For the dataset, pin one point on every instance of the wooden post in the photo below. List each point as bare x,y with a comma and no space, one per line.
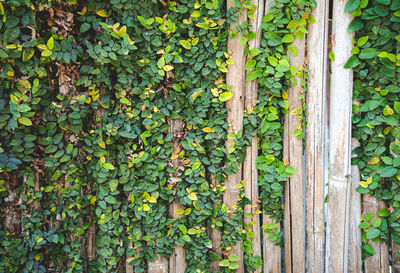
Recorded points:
294,192
379,262
317,41
235,77
355,262
339,177
250,165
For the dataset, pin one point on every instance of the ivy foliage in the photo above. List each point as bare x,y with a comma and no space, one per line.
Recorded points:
89,92
375,61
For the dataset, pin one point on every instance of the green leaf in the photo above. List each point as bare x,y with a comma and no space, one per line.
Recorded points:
186,238
396,107
373,233
84,27
183,229
362,41
288,38
250,64
233,266
352,62
108,166
25,121
224,263
352,5
192,196
234,258
50,43
225,96
185,44
27,54
384,212
388,171
110,199
355,25
3,54
293,50
368,53
332,56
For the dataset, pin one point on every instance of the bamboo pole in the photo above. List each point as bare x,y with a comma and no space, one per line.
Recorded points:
235,77
395,260
177,263
317,40
339,178
355,262
294,193
250,164
271,253
215,238
379,262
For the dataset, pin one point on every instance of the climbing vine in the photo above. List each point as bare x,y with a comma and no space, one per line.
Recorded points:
88,93
375,61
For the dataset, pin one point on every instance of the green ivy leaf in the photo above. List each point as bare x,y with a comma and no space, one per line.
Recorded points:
225,96
352,5
352,62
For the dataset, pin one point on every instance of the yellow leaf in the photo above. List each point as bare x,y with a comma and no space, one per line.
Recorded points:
146,207
168,67
25,121
102,144
179,211
192,196
122,31
208,130
102,13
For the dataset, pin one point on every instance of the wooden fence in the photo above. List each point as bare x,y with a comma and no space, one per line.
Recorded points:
318,236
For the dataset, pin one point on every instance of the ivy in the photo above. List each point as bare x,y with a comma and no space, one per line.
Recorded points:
88,92
375,62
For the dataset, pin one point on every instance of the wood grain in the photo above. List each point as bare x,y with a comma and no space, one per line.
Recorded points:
339,178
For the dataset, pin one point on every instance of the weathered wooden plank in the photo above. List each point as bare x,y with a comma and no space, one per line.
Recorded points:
317,55
249,165
235,77
379,262
355,262
295,188
339,142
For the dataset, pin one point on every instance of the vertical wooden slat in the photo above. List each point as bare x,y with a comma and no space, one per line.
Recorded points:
355,263
395,260
317,41
249,165
235,77
215,238
294,195
177,263
272,259
339,142
379,262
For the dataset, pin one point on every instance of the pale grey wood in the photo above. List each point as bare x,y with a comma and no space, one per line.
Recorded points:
295,193
235,77
317,55
250,175
339,177
355,262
